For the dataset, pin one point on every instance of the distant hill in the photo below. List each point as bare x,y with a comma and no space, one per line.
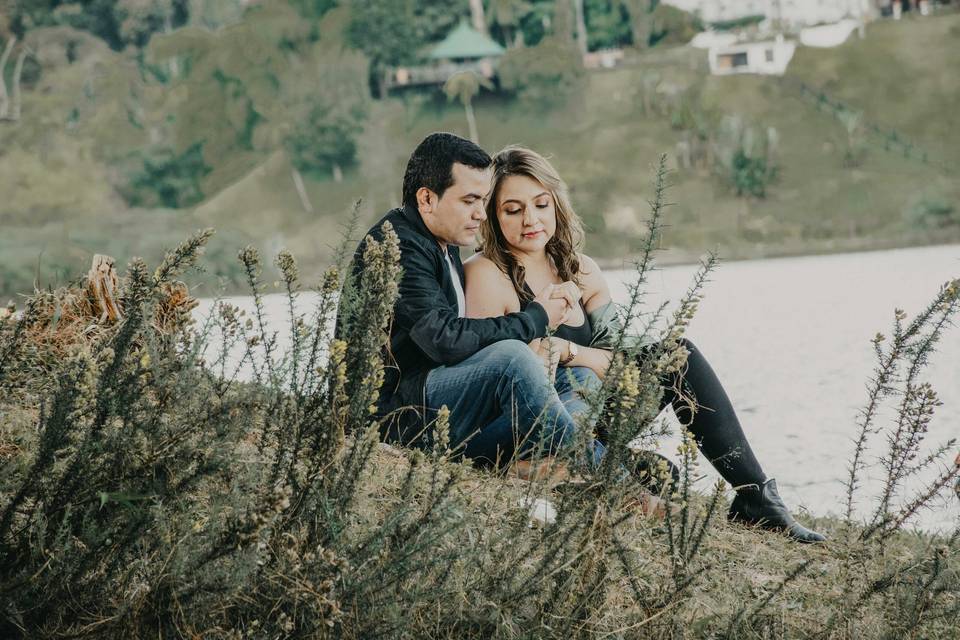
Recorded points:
839,185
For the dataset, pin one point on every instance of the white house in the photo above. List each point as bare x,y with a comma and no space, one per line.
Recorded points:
769,57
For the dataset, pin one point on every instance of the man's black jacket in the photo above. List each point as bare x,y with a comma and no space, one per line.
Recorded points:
426,331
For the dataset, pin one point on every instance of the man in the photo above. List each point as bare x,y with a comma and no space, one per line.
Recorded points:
481,369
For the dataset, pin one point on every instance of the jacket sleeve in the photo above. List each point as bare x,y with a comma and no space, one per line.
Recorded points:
434,326
606,323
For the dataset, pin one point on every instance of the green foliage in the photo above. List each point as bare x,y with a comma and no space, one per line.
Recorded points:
745,156
168,179
383,30
140,19
750,176
314,8
931,210
673,26
323,140
738,23
608,24
117,22
535,24
505,18
546,76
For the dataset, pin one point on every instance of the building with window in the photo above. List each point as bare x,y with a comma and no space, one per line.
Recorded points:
769,57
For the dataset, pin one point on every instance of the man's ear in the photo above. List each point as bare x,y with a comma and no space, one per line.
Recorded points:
426,200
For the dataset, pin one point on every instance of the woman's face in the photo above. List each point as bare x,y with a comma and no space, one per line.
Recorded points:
527,214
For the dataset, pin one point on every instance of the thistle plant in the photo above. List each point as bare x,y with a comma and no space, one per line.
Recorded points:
868,571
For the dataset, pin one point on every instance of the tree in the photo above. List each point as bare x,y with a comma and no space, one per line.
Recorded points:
476,16
10,101
140,19
640,13
464,86
537,23
326,124
168,179
607,22
506,16
673,26
545,76
581,21
324,141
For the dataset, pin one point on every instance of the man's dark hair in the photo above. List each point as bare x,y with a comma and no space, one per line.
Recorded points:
431,164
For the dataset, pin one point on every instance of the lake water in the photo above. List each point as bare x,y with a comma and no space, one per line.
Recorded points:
790,338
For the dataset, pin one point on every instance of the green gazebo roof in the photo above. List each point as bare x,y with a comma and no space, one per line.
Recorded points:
466,42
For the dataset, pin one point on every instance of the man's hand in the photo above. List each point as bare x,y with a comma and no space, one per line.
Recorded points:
557,300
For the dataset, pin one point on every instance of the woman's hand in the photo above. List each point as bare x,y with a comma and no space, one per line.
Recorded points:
557,300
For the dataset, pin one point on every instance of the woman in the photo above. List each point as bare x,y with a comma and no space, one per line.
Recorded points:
530,240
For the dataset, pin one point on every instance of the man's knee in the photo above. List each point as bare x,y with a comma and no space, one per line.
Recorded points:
509,349
517,359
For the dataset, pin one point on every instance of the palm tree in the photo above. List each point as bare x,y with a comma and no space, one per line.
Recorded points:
464,86
581,26
10,108
476,16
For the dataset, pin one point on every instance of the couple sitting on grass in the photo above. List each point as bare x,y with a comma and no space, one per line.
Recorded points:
474,336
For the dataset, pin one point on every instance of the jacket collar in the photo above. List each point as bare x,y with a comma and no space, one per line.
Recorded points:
413,217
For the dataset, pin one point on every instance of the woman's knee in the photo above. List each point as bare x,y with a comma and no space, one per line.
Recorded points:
582,379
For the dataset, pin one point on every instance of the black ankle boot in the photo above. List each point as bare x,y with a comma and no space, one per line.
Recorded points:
762,506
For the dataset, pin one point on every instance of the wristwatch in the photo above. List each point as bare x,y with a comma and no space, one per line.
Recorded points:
572,353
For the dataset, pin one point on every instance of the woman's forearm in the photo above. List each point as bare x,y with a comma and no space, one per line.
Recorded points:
596,359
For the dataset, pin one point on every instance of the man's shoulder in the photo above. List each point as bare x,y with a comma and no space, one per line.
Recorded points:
397,222
414,246
405,231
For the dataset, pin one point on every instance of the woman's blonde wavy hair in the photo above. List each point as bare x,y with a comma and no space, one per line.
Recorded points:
563,248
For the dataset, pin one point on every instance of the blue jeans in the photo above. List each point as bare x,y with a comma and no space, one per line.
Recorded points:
502,404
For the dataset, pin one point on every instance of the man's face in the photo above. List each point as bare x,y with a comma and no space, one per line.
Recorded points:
455,218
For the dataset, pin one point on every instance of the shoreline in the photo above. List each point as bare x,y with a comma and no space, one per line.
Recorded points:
673,257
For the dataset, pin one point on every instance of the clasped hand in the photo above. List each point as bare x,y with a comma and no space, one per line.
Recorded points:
557,300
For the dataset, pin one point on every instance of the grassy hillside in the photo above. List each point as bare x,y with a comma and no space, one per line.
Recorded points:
901,77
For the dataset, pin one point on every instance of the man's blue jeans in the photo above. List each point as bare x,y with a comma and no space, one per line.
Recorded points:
502,404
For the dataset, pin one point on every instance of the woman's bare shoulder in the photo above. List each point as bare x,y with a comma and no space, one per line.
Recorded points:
489,290
591,276
592,280
480,266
